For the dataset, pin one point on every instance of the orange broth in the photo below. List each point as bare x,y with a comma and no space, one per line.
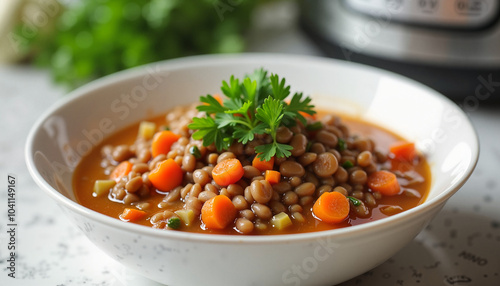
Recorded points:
89,170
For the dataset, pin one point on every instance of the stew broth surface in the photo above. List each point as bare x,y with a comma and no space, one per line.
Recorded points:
89,170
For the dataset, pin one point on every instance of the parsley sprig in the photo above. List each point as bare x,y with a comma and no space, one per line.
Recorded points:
254,105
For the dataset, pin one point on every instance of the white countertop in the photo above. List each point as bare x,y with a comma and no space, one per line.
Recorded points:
461,246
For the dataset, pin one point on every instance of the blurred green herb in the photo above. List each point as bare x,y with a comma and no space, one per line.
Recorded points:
174,223
342,145
94,38
354,201
347,164
314,126
195,151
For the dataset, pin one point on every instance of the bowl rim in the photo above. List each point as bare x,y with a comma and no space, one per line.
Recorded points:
224,59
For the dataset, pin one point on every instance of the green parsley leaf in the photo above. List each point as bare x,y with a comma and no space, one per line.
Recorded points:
314,126
224,119
242,109
174,223
280,91
266,151
347,164
208,131
263,86
254,105
249,89
195,151
233,103
212,105
244,135
297,105
342,144
271,112
233,89
354,201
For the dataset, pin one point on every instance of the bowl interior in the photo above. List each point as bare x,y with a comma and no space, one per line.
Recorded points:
71,128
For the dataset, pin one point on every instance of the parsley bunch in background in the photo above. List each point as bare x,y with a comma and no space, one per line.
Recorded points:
255,105
94,38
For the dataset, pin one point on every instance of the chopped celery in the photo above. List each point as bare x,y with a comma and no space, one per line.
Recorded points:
102,187
147,129
281,221
187,216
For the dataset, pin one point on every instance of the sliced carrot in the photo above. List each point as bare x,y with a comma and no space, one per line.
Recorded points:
166,176
331,207
262,165
227,172
218,212
384,182
121,171
273,177
403,151
162,142
132,214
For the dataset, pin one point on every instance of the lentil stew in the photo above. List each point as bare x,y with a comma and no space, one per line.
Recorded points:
158,173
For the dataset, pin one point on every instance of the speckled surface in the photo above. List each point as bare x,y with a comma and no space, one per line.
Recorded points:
461,246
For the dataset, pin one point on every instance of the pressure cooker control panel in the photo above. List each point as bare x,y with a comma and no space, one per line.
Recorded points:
467,14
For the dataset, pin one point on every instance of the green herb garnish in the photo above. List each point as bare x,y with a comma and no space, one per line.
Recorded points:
309,145
347,164
354,201
314,126
195,152
94,38
341,144
254,105
174,223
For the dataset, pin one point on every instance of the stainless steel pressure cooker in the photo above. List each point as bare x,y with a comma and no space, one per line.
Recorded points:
450,45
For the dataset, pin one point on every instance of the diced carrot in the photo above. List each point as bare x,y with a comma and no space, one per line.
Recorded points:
162,142
262,165
166,176
384,182
218,212
403,151
227,172
273,177
132,214
331,207
121,171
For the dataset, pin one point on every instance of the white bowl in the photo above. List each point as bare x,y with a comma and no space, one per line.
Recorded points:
86,116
